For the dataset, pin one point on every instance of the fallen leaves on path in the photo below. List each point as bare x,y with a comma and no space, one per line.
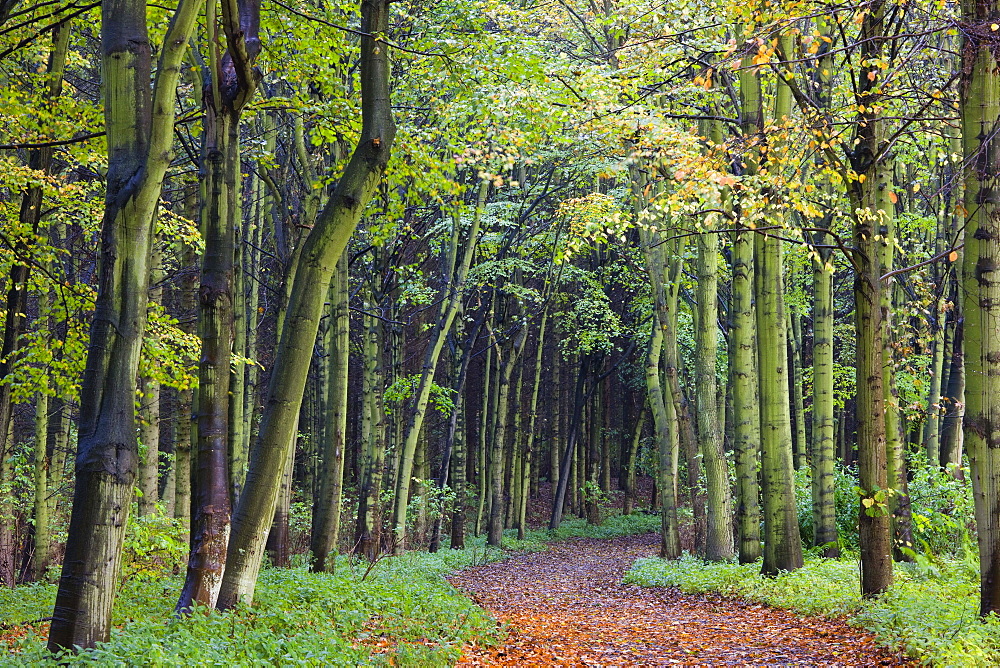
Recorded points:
568,607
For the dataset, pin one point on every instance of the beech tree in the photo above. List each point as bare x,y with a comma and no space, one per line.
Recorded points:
139,122
315,266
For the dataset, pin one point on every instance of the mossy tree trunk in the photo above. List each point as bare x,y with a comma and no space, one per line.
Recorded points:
980,101
232,83
326,514
140,129
316,263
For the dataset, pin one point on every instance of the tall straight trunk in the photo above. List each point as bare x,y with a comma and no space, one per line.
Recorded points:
743,367
140,125
746,409
264,198
867,160
463,448
185,432
800,455
933,414
659,358
42,528
980,99
567,460
484,437
592,459
457,264
373,459
237,378
555,420
606,440
149,412
508,361
210,508
534,461
58,446
670,540
824,444
952,434
319,254
326,527
899,500
719,520
688,440
630,457
782,543
149,433
30,217
453,459
277,546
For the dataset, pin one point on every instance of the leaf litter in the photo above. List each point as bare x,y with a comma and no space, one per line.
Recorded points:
567,606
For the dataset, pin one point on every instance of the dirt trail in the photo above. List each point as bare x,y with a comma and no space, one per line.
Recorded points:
567,607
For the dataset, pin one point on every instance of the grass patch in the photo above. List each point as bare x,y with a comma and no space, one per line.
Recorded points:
930,612
401,611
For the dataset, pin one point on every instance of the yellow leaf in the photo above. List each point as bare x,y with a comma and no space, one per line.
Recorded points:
916,187
867,503
861,178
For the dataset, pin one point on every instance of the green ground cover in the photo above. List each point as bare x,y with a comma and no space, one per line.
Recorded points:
400,611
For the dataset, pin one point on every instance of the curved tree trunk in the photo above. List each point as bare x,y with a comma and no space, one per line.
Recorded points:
316,263
140,133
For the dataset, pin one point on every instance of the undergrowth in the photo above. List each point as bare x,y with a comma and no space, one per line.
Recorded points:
612,527
930,612
399,611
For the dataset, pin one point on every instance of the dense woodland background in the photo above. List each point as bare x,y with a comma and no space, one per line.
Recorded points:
733,264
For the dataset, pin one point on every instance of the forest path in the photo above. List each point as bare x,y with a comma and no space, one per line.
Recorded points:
567,606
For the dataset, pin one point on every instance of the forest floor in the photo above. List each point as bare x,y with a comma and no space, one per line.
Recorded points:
568,606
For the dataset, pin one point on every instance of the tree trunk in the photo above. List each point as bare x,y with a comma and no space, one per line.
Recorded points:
566,463
719,524
980,98
952,434
867,161
149,412
782,543
824,446
42,538
326,525
139,136
320,252
373,459
497,492
746,409
800,456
